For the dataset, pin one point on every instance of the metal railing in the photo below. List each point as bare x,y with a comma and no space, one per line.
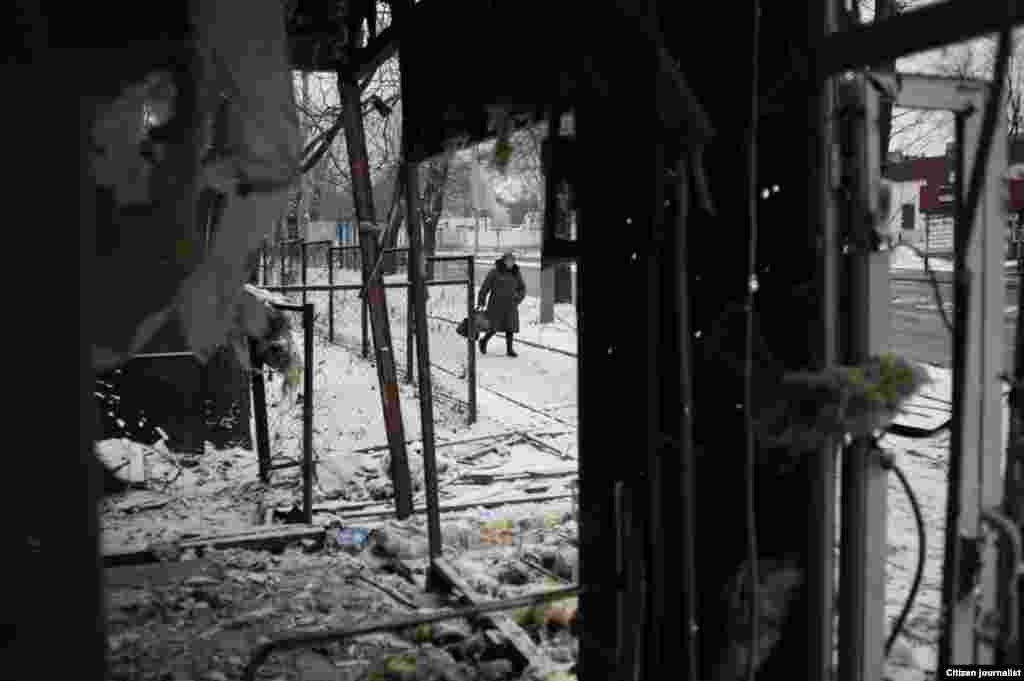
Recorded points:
334,280
259,393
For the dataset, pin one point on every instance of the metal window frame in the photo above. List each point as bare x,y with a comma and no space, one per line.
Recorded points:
981,434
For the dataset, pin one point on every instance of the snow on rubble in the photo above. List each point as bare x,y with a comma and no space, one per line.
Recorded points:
188,496
180,496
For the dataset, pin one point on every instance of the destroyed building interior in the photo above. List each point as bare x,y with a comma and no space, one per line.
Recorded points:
715,327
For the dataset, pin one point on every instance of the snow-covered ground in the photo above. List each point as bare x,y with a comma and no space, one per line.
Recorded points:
924,462
535,392
903,258
220,492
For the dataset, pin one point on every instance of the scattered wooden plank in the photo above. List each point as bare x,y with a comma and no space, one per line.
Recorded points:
521,642
496,503
158,573
497,436
491,478
481,452
398,597
262,538
537,442
142,501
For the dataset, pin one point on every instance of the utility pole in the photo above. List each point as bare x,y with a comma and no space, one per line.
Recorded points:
373,289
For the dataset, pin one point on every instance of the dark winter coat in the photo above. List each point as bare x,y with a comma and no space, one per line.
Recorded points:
503,289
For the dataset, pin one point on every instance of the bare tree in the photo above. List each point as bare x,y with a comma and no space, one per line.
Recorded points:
434,177
914,131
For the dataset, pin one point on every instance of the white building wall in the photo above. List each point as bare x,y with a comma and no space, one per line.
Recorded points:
321,230
459,233
906,194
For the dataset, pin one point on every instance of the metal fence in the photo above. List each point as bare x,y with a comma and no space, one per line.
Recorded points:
330,277
270,432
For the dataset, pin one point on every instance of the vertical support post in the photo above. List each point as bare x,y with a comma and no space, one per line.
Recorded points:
1013,491
658,588
547,292
375,301
630,595
687,617
987,255
598,363
471,338
410,335
259,406
330,293
977,444
417,272
307,414
864,481
823,217
418,288
957,615
81,547
305,267
366,331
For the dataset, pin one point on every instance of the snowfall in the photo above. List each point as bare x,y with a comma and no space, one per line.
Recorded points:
199,614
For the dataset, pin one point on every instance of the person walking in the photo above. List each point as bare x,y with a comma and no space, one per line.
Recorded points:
503,290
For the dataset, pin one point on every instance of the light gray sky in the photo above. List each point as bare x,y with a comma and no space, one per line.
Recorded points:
930,133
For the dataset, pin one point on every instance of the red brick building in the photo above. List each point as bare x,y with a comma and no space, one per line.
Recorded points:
923,198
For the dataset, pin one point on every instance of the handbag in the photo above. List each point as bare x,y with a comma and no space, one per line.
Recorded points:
483,325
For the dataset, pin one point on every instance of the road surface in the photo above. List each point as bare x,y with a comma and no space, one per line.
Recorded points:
917,331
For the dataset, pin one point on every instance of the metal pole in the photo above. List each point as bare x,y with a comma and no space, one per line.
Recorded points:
822,214
864,481
375,298
658,590
330,294
307,414
687,470
419,294
259,406
410,336
417,266
471,338
1013,494
476,233
952,589
305,264
366,331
